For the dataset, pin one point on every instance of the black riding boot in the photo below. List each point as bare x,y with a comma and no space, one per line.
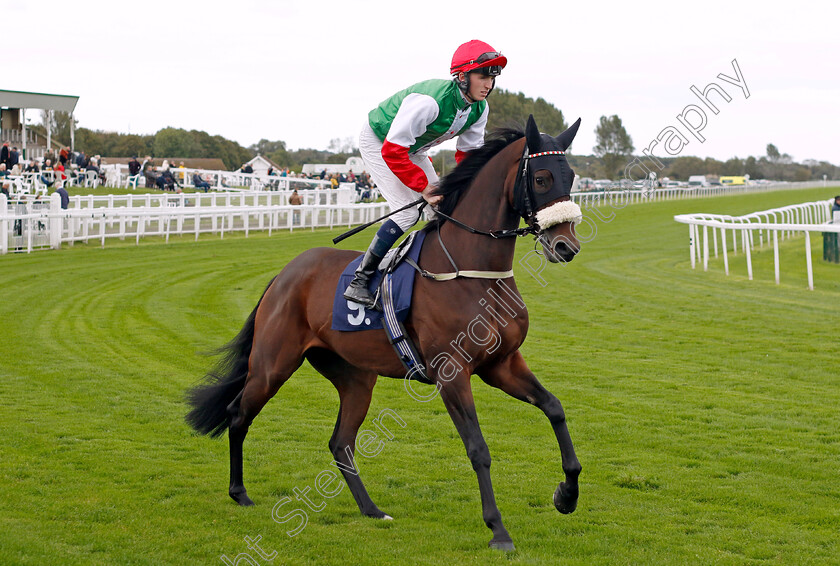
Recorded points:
357,291
385,237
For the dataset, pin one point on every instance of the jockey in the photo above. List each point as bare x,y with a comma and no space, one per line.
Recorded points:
400,131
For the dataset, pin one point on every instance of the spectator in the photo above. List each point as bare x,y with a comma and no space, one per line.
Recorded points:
182,173
81,160
133,166
92,165
15,170
59,170
65,198
836,206
14,158
166,181
6,154
248,169
295,198
3,171
148,169
63,156
200,183
48,180
32,167
5,190
99,164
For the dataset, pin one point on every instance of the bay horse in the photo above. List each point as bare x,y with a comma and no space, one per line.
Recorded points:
514,175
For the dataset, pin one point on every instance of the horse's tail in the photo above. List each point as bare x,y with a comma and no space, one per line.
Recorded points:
210,400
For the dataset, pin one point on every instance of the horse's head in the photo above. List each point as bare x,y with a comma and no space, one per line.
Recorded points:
542,189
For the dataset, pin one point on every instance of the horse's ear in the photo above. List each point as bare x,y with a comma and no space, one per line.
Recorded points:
532,135
565,139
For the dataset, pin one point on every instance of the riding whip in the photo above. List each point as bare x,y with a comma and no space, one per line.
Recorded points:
358,229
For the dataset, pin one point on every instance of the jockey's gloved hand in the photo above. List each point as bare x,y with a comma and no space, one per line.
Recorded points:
431,198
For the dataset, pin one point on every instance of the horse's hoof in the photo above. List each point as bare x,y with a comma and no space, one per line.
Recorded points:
241,498
565,498
503,545
379,515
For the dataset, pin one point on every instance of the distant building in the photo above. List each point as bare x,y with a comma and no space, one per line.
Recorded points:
355,163
261,165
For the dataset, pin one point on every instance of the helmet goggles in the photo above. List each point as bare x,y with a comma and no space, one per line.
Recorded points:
478,64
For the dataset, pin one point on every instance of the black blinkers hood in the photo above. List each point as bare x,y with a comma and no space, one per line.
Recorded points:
543,152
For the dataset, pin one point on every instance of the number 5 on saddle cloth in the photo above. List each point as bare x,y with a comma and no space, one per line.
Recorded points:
394,285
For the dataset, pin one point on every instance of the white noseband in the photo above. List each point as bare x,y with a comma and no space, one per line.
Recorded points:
559,212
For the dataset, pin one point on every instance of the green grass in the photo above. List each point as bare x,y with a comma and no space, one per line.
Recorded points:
703,409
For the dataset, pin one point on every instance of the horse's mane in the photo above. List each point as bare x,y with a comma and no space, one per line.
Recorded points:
456,182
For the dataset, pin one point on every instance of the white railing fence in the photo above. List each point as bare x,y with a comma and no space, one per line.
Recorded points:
756,230
29,225
622,197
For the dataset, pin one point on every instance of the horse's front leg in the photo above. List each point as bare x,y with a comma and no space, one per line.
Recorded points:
458,399
512,376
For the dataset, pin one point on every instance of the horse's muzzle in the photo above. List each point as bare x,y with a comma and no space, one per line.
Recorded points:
560,249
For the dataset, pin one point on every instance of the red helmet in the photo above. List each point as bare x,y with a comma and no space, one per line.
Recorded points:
476,54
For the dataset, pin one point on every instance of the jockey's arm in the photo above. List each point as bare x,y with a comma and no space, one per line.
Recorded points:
416,112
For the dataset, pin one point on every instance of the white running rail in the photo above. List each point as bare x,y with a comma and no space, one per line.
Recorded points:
753,230
29,225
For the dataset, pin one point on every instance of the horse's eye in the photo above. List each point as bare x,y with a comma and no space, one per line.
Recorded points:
543,180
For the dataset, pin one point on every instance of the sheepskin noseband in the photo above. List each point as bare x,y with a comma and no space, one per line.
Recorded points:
566,211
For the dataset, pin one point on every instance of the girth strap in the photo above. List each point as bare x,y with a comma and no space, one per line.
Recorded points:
467,273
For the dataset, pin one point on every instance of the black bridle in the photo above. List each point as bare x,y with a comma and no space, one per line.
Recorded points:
523,199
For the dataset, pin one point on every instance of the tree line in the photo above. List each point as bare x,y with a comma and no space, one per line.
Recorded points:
613,151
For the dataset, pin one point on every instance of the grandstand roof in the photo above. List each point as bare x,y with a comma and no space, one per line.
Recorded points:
18,99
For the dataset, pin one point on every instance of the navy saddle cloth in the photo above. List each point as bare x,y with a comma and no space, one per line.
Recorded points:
349,316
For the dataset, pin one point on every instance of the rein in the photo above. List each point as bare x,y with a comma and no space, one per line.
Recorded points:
510,233
528,214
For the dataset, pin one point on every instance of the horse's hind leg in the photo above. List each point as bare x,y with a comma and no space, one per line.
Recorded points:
266,376
355,388
513,376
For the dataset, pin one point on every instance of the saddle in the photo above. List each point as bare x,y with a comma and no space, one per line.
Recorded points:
393,285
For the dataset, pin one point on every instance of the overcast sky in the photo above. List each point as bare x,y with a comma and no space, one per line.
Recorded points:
308,71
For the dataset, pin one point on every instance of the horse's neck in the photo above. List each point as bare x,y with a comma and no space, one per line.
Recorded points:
484,206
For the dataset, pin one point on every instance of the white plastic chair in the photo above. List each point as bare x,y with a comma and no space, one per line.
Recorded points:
132,180
91,179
